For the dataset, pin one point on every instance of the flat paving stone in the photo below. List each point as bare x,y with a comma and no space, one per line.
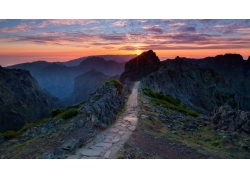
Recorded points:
73,157
102,144
122,128
106,155
132,128
116,140
113,134
96,148
89,152
121,132
109,137
107,141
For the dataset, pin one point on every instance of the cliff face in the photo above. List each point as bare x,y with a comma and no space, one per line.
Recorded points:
204,88
140,66
22,100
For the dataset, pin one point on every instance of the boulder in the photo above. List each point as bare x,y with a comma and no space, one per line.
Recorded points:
48,155
224,118
77,144
79,123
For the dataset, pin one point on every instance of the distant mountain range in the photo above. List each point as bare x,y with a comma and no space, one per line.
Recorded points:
58,79
116,58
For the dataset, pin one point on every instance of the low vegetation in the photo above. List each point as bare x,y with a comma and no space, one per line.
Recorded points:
14,134
168,102
116,83
68,113
55,112
64,114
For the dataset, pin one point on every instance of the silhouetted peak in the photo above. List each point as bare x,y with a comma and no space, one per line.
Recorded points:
149,55
93,70
229,58
249,58
93,59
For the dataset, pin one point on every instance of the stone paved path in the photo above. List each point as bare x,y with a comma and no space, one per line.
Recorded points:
107,143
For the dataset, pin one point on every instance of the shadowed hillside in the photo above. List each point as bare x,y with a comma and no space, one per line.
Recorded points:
22,100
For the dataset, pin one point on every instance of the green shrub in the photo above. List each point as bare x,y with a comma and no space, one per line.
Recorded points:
26,127
69,113
55,112
9,134
14,134
116,83
168,102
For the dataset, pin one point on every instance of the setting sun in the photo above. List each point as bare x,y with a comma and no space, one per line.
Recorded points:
137,51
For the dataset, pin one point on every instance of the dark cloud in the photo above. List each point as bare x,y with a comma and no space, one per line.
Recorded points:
182,47
187,29
113,37
155,28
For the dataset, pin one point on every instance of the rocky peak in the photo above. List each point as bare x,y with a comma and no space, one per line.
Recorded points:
94,59
229,59
140,66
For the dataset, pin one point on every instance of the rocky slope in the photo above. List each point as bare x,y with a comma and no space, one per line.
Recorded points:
226,119
22,100
58,79
59,136
204,88
235,71
140,66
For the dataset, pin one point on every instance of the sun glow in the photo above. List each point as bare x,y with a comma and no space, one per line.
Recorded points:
137,51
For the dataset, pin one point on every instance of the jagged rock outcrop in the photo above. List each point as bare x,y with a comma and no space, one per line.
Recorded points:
140,66
224,118
22,100
103,105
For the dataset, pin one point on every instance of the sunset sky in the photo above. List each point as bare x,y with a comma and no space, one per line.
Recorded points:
62,40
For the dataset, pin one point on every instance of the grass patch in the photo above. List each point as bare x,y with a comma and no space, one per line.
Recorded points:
55,112
117,84
168,102
9,134
14,134
68,113
168,98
